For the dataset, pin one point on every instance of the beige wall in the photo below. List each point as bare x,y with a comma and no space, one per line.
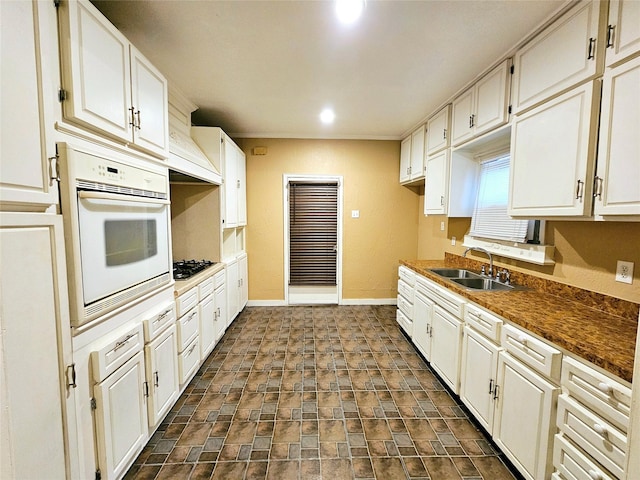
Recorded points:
386,231
586,251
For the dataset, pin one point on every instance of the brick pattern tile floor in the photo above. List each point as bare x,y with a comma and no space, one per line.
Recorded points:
322,392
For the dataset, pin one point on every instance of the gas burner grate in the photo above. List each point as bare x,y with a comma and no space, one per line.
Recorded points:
188,268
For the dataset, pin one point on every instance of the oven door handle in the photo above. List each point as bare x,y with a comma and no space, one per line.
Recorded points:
121,198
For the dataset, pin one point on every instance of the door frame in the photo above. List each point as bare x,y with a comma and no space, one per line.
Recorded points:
286,179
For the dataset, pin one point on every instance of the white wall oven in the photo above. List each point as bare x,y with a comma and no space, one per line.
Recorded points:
117,230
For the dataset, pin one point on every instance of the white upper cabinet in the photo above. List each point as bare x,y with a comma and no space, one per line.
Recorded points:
483,107
405,160
553,156
563,55
109,85
623,31
616,189
29,88
436,186
438,131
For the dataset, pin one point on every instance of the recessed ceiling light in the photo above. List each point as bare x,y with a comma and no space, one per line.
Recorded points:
327,116
348,11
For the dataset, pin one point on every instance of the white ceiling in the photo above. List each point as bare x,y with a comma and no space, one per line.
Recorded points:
267,68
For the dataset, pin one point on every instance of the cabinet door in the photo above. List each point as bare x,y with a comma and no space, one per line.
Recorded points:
553,156
207,326
524,423
96,70
462,117
564,54
161,358
28,45
37,400
492,99
422,313
405,159
121,418
438,131
478,376
150,103
233,291
241,191
417,153
445,346
221,311
623,32
230,183
436,184
243,274
616,189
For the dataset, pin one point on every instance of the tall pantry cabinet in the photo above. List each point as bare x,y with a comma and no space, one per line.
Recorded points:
35,348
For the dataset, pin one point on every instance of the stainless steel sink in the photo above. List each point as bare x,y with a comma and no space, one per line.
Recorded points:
481,284
455,273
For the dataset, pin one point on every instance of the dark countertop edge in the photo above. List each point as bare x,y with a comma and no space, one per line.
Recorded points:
579,346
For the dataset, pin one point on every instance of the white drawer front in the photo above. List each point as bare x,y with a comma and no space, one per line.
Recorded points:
187,328
601,440
156,320
205,288
604,395
407,275
189,360
187,301
405,306
115,351
535,353
218,278
572,464
484,322
405,290
450,301
405,323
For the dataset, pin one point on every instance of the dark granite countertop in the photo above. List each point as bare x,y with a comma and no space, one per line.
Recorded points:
597,335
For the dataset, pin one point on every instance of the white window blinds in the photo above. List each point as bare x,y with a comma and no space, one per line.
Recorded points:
313,233
490,219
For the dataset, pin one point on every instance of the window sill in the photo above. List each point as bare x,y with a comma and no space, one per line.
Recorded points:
526,252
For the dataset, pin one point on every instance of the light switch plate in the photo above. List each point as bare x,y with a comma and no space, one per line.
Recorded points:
355,213
624,272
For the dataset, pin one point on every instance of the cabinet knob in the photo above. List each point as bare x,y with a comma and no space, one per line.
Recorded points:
522,339
605,387
600,429
595,475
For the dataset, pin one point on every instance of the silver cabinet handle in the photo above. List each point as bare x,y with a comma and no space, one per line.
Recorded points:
472,118
155,379
579,190
610,32
592,49
123,342
597,187
444,134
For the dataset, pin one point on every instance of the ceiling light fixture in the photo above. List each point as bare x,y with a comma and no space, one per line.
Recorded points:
327,116
348,11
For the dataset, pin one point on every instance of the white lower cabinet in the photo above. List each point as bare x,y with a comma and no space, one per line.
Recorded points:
233,292
478,376
572,464
422,320
161,358
121,417
243,274
446,344
404,314
207,326
523,427
220,302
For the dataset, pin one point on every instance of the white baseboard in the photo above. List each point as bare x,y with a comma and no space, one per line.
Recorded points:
348,301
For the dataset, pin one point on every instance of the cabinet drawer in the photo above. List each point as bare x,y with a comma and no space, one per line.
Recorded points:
205,288
405,290
405,306
187,328
451,302
405,323
601,440
187,301
189,360
218,279
116,351
599,392
573,464
535,353
407,275
156,320
484,322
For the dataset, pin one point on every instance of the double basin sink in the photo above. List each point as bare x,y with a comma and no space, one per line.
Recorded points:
471,280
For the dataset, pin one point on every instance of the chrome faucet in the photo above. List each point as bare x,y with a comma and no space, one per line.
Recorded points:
477,249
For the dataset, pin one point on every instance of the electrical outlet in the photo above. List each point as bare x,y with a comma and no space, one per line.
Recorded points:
624,272
453,240
442,226
355,213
